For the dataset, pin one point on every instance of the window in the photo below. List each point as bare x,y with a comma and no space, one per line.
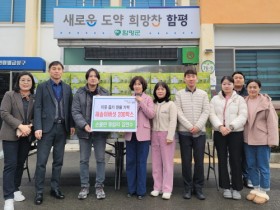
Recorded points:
263,65
255,64
148,3
224,65
47,6
12,10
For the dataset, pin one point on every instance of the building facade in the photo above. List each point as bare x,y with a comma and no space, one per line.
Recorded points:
234,36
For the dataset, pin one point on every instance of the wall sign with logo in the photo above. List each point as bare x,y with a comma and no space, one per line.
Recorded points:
208,66
136,23
114,113
190,55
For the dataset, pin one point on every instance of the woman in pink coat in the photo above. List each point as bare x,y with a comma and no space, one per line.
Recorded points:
137,143
260,134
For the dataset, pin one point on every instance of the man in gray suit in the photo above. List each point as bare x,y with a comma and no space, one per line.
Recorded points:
52,122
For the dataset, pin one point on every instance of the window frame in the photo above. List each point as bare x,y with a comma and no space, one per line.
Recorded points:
12,13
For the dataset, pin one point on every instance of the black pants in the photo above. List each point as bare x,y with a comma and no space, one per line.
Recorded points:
15,154
192,147
232,145
56,138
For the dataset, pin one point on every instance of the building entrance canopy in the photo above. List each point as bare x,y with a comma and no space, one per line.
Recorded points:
22,64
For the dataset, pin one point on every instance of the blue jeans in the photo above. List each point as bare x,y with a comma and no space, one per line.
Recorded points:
136,165
15,154
98,141
258,165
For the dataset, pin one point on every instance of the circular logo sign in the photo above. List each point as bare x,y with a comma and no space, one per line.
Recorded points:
208,66
190,55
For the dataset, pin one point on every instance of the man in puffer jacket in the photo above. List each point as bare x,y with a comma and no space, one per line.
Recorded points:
81,111
193,111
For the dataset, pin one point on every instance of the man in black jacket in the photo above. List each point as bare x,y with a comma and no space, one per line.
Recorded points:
81,111
239,87
52,122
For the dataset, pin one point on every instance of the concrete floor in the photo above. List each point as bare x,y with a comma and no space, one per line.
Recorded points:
117,200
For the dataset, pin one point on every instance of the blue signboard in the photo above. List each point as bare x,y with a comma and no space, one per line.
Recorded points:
22,64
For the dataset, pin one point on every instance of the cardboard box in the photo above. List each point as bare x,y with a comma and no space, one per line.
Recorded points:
78,78
120,89
107,86
105,78
174,88
66,77
156,77
176,78
203,77
121,78
204,86
40,77
145,75
75,87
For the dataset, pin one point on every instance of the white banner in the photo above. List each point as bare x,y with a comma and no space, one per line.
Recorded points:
99,23
114,113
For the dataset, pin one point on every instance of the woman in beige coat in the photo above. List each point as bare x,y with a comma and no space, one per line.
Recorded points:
260,134
17,115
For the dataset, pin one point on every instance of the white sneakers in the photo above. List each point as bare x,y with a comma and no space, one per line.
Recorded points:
155,193
166,196
9,204
234,194
227,193
18,196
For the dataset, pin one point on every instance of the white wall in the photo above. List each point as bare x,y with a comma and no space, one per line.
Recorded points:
12,40
48,48
247,36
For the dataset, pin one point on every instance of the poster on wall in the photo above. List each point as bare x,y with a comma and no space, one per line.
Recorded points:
114,113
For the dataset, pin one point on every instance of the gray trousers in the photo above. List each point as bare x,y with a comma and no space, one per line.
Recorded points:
56,138
99,144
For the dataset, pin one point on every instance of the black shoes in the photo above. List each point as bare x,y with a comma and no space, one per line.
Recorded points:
199,194
140,197
38,200
187,194
57,194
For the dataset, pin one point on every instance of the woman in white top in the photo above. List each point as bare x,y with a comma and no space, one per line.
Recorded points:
228,115
163,143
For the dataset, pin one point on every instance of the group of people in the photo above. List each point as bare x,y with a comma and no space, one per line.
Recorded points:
241,126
